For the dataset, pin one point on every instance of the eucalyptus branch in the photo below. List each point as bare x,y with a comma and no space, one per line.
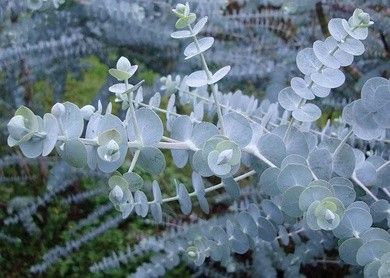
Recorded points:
248,117
132,112
362,186
211,188
252,150
315,111
300,179
342,142
384,165
158,109
214,87
134,161
386,191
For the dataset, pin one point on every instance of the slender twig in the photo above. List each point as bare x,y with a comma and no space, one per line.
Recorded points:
303,101
211,188
341,144
132,113
383,166
134,160
362,186
291,233
221,105
384,189
214,87
253,150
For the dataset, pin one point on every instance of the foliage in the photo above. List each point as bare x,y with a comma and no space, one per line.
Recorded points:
292,194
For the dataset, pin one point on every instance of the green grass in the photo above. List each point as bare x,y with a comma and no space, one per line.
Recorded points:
81,92
328,114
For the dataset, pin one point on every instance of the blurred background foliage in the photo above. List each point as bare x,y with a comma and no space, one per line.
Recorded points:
56,54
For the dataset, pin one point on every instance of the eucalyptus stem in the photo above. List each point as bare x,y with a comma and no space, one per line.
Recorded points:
221,105
158,109
291,233
134,161
85,141
255,152
219,111
165,145
132,113
362,186
211,188
383,166
338,149
175,145
169,139
292,119
384,189
291,122
214,89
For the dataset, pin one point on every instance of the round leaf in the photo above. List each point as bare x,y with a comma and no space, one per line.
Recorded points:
51,128
352,46
184,199
268,181
72,121
74,153
293,159
150,127
248,225
328,78
290,201
307,61
336,29
312,194
141,203
348,250
320,162
202,132
272,147
199,25
344,161
192,50
181,34
372,250
354,222
219,74
152,160
237,129
323,53
134,180
197,79
307,113
231,187
266,230
300,87
288,99
292,175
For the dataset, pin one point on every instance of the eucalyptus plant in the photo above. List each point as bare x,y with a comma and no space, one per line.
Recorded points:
305,183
